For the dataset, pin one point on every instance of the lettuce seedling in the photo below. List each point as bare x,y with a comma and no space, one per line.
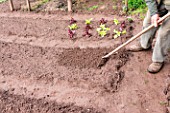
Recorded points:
104,28
73,27
102,31
88,21
88,27
123,32
117,33
116,21
71,33
122,26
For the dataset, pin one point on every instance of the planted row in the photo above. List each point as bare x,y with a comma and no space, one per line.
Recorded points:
102,30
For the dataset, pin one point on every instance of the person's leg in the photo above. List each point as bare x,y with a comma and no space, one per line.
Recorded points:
162,43
161,46
146,38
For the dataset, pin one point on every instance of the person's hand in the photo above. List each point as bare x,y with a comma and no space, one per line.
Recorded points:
154,20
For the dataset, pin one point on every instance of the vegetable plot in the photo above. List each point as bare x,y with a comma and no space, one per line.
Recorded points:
120,28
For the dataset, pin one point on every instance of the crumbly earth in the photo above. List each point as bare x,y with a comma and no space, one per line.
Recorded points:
42,70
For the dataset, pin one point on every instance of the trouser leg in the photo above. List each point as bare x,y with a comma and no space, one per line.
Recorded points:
146,38
162,43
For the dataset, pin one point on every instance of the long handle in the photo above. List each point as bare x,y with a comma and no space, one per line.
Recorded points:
136,36
11,5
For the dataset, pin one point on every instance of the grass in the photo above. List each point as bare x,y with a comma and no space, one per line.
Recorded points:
93,8
2,1
137,7
40,4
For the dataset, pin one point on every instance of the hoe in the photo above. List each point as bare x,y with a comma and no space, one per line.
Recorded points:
106,57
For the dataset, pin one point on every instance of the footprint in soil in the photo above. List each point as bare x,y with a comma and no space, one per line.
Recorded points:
114,81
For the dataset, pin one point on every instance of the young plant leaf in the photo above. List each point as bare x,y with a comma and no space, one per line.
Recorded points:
102,33
88,21
73,27
124,32
116,21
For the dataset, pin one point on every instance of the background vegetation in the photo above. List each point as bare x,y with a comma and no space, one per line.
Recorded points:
137,6
2,1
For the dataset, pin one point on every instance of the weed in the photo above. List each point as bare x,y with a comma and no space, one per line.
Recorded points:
93,8
163,103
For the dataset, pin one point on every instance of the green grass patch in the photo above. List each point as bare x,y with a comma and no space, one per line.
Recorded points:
137,7
2,1
92,8
136,4
42,2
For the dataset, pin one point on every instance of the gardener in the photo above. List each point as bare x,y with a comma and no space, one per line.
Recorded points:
156,10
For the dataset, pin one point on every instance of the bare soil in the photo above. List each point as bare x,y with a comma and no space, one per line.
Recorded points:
42,70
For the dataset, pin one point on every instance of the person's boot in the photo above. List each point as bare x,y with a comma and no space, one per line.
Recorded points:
155,67
135,48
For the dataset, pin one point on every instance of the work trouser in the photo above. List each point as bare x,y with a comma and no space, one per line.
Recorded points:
162,42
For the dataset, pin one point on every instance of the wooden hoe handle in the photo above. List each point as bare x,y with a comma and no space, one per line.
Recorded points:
136,36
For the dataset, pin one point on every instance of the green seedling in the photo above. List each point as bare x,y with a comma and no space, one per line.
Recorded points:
102,31
73,27
104,28
123,32
117,34
116,21
88,21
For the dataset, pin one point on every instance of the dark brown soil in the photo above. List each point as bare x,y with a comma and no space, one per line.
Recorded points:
19,104
42,70
82,58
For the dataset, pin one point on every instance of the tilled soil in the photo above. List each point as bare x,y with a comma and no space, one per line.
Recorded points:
23,61
19,104
42,70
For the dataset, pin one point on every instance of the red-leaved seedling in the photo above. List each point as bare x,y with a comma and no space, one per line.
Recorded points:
88,27
122,26
72,28
102,21
72,21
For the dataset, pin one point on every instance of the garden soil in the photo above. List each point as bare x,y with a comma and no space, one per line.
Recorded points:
42,70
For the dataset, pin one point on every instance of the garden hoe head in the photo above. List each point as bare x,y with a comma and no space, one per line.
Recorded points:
103,62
